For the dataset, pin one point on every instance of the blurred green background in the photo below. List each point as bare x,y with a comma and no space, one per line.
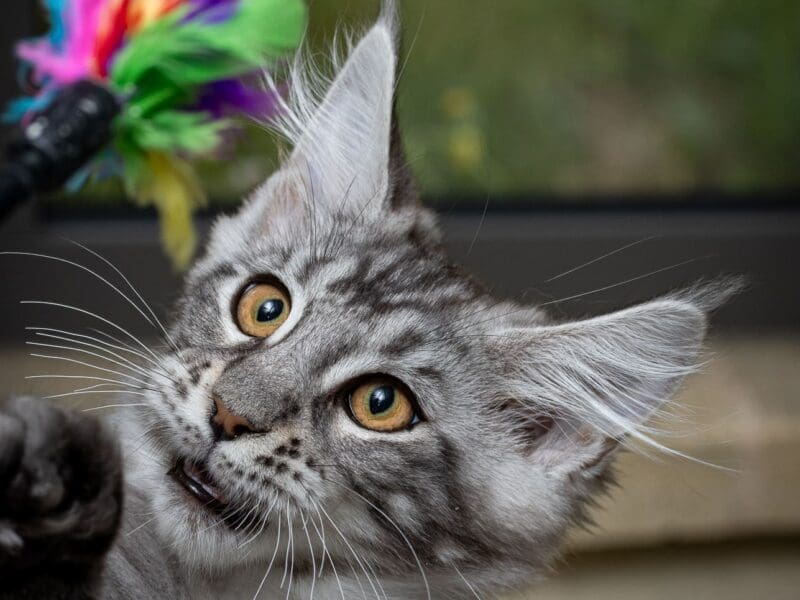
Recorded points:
579,97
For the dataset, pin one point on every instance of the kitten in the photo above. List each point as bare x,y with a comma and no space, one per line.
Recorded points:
342,413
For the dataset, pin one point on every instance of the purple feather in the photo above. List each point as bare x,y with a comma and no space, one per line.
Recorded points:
227,96
211,11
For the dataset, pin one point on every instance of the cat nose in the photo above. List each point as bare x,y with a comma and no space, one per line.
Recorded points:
227,425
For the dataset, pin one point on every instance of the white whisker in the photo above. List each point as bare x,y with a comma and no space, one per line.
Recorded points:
86,392
601,257
112,406
313,559
123,362
264,522
90,353
325,550
400,531
86,269
73,334
291,539
620,283
167,336
132,531
95,316
86,364
351,549
286,554
86,377
272,560
467,583
92,387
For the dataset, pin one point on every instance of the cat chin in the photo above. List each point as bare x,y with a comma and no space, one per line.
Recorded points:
197,537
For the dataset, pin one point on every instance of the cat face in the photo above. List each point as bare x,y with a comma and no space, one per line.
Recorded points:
336,381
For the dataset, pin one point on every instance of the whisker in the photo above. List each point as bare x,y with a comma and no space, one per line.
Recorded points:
286,554
133,369
621,283
291,539
272,560
96,316
480,226
132,531
144,302
263,524
462,319
86,377
121,343
124,361
90,365
251,514
73,334
352,551
139,443
467,583
325,547
86,269
400,531
313,559
93,387
85,392
602,257
112,406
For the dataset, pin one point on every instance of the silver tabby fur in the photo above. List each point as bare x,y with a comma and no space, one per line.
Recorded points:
522,415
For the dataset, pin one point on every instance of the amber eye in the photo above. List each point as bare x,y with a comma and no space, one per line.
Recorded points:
382,405
262,308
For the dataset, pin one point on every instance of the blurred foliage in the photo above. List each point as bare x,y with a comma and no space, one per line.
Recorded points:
579,96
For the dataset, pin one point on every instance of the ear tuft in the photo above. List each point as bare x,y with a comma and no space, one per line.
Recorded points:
342,136
709,295
610,374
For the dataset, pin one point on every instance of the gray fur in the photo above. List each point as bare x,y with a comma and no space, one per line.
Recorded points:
522,415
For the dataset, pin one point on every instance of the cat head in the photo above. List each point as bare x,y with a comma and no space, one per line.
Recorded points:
335,375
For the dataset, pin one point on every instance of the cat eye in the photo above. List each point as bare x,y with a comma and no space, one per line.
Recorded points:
382,404
262,308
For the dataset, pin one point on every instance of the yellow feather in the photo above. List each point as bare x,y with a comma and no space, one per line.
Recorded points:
171,186
143,12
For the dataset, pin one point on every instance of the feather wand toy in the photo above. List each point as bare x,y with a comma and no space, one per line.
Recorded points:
140,88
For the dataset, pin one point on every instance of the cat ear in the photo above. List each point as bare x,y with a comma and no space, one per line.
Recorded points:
343,153
573,391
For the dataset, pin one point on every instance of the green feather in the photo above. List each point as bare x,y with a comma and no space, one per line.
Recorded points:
163,66
190,54
159,73
172,130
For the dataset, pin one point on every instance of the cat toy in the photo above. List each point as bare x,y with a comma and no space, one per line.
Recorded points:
139,89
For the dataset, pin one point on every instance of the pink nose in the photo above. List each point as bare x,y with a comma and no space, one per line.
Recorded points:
228,425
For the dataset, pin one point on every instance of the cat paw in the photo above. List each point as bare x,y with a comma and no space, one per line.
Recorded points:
60,486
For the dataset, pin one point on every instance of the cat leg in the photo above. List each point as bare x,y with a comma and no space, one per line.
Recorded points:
60,501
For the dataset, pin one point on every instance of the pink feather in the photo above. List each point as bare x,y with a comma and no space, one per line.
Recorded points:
75,60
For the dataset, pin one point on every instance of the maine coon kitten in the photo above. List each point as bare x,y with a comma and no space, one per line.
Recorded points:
342,413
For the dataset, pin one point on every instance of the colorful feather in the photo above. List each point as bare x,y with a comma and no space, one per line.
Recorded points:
176,66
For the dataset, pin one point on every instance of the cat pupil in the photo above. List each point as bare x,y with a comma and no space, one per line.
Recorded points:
381,399
269,310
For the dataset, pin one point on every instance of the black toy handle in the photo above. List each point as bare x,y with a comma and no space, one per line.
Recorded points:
57,142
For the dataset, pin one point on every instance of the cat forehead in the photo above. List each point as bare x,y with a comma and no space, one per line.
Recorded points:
374,269
398,304
291,220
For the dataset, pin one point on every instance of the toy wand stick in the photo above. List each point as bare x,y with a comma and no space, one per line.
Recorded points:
57,143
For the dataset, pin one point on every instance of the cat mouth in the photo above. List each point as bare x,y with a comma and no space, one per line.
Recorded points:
195,479
198,483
